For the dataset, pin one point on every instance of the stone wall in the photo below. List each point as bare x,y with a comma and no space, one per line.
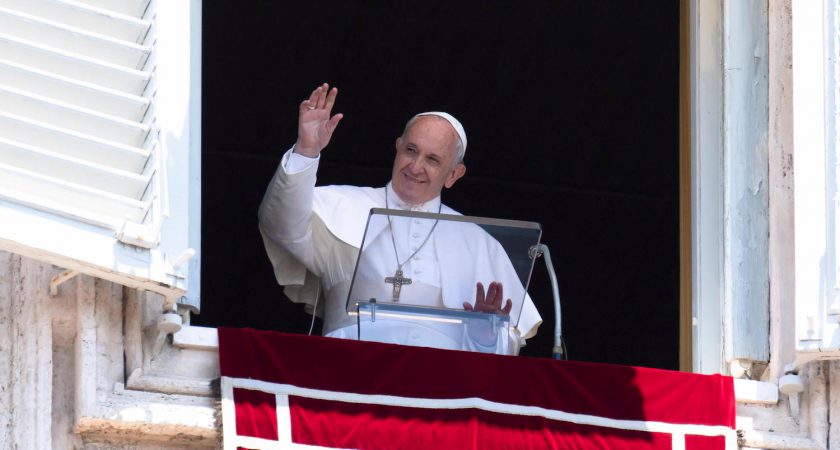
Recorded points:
87,368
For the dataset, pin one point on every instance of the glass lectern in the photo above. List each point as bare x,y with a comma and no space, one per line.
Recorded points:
415,271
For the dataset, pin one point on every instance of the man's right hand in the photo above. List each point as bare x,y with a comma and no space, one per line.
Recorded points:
315,126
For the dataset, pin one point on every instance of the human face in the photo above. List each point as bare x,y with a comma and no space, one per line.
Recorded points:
425,160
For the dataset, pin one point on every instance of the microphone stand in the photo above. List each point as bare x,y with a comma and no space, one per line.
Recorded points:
559,350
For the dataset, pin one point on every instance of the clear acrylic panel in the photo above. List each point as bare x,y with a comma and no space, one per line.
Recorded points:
442,258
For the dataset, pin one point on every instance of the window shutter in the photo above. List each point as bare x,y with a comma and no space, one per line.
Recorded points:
84,149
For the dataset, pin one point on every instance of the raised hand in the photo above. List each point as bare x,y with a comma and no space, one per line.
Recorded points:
315,126
490,303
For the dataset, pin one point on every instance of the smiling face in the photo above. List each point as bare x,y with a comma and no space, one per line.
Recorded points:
426,160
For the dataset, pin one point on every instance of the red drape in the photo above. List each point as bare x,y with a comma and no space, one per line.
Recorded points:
348,394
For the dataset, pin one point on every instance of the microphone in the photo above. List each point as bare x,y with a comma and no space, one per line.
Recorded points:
559,350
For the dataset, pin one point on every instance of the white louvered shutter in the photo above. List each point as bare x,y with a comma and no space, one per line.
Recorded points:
85,150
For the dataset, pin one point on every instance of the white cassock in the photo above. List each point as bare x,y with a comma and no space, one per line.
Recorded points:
312,237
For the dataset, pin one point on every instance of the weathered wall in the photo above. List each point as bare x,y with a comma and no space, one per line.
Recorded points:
87,369
807,420
65,359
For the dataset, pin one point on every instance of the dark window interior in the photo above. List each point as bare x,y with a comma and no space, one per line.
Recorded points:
571,114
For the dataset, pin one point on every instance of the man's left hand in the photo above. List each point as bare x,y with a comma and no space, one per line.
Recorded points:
491,302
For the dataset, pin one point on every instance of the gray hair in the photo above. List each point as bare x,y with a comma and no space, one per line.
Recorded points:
460,144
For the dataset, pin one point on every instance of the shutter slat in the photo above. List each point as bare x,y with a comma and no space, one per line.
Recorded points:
133,8
72,144
103,100
72,65
87,17
66,116
60,195
74,170
74,40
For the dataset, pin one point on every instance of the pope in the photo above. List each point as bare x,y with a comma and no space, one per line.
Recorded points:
312,235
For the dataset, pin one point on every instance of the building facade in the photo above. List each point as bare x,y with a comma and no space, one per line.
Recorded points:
100,221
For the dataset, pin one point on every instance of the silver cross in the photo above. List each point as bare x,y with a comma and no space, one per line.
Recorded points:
397,280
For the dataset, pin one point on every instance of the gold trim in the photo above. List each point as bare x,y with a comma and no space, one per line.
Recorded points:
685,190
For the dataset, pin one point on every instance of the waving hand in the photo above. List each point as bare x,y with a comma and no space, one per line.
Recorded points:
315,126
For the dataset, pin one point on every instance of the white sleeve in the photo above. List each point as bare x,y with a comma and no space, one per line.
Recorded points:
294,239
294,163
285,215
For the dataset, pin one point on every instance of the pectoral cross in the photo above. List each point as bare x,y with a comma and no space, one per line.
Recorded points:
397,280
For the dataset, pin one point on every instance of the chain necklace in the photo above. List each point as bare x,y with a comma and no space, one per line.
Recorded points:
398,280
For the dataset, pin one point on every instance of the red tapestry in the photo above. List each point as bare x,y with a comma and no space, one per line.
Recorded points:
291,391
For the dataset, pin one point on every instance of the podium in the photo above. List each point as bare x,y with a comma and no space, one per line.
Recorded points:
415,271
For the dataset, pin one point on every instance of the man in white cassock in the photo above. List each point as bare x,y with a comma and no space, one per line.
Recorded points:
313,235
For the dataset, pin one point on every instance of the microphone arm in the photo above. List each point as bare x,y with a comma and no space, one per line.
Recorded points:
559,350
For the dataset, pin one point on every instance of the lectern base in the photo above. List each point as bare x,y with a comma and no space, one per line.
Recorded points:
393,323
